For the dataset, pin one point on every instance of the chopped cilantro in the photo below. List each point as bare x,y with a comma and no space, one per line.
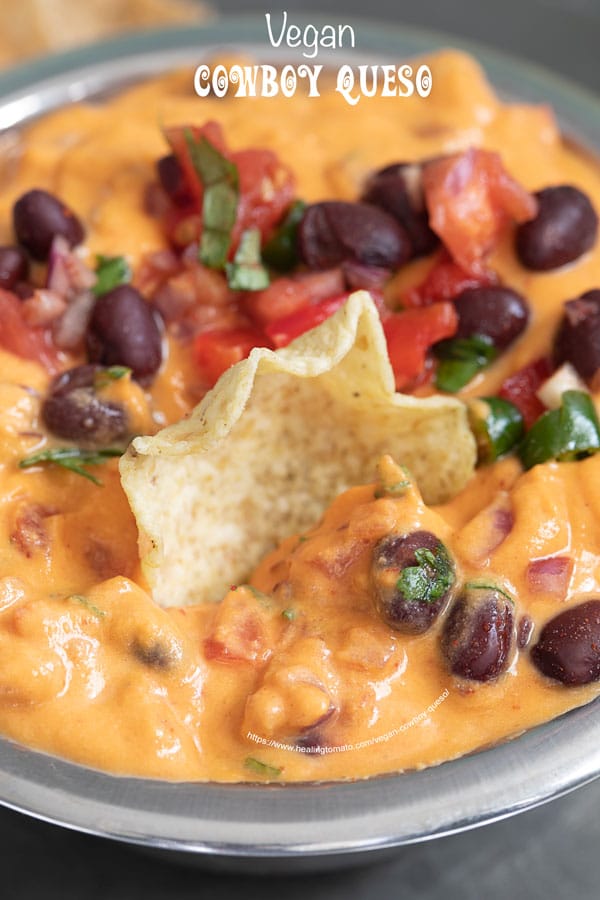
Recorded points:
79,598
429,579
488,586
111,271
72,458
104,377
219,177
246,272
261,768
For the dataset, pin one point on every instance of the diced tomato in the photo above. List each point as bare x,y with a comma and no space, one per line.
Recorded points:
266,186
213,133
520,389
244,630
470,198
445,281
286,296
22,339
267,189
411,333
216,351
284,330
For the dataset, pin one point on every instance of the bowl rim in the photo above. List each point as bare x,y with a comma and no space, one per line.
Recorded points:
315,819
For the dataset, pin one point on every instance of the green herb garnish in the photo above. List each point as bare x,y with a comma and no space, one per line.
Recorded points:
79,598
261,768
460,359
246,272
430,579
488,586
568,433
280,252
219,177
72,458
264,599
104,377
111,271
289,614
391,490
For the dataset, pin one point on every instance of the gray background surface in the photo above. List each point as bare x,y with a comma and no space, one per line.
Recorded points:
551,853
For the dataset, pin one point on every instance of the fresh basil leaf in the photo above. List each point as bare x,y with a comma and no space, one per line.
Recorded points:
246,272
460,359
111,271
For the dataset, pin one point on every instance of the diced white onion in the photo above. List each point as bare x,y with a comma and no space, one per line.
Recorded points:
564,379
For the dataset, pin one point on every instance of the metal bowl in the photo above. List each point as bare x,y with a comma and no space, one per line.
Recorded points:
312,825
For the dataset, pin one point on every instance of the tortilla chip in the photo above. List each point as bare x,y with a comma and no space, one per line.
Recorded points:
278,438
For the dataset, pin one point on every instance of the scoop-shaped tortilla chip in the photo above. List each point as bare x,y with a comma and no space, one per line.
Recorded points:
280,435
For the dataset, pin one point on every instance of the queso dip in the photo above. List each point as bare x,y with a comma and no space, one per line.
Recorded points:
308,671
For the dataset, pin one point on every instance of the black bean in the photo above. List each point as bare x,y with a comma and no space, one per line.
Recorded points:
38,217
170,175
569,646
577,340
497,312
14,266
414,610
72,410
398,189
332,232
478,634
564,228
123,331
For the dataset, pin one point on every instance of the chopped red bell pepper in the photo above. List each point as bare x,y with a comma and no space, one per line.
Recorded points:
284,330
411,333
445,281
216,351
286,296
470,198
520,388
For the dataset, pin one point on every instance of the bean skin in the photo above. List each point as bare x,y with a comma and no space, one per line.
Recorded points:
498,312
14,267
391,556
38,217
333,232
569,646
72,410
478,635
577,340
123,331
565,227
398,190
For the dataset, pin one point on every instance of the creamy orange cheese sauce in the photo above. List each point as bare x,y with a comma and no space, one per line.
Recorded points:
94,671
